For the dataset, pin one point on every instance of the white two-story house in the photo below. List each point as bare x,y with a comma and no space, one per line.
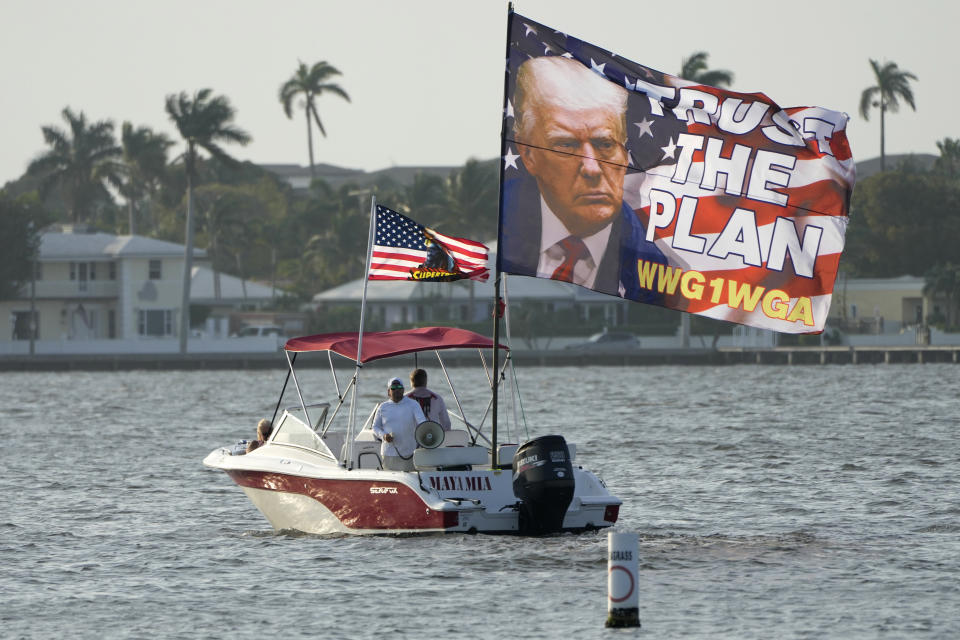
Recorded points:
97,286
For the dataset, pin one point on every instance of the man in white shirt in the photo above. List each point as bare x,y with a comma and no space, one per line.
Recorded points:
432,404
396,424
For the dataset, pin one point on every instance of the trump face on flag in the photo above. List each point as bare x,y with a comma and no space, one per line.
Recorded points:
568,220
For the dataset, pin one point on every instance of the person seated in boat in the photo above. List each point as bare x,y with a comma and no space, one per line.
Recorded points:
395,425
432,404
264,429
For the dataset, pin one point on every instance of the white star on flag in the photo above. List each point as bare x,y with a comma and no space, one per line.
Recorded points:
510,160
669,150
529,30
645,127
597,67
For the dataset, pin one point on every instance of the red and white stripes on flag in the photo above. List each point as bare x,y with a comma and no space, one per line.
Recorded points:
406,250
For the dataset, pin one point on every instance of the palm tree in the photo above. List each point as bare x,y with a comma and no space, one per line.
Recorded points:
892,84
473,196
695,69
945,279
948,163
203,122
79,162
310,82
144,166
427,200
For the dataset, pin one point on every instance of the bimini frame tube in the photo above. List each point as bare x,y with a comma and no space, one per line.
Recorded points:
296,383
363,308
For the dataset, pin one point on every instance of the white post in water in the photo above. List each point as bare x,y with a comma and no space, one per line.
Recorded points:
623,598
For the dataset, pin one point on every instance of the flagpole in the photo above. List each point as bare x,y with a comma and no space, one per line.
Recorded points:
363,308
497,301
366,273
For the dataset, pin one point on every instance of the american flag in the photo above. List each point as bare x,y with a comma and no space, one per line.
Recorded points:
747,201
406,250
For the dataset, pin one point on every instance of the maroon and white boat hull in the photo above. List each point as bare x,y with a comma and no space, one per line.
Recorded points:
328,499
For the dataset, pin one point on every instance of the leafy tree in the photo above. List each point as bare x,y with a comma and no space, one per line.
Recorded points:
21,220
310,82
944,279
143,168
204,122
892,85
695,69
336,226
902,222
240,224
79,163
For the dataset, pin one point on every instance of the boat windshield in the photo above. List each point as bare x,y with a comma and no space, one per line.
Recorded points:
293,431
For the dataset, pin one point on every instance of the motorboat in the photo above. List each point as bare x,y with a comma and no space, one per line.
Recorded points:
318,473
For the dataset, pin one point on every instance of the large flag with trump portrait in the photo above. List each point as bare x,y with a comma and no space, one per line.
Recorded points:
635,183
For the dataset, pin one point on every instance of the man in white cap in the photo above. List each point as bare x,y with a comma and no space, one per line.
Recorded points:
395,424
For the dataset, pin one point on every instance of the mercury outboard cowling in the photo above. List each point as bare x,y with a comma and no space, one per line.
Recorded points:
543,481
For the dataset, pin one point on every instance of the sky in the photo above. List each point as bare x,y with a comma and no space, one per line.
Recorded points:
425,77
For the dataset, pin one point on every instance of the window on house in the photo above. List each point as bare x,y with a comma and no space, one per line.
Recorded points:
37,270
155,272
21,325
93,270
155,322
111,323
112,270
73,270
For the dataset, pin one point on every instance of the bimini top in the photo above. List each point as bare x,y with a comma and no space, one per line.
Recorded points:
383,344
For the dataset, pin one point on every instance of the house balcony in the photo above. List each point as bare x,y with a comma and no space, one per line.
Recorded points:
93,289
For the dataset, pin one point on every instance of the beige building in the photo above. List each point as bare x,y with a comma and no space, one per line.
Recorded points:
880,305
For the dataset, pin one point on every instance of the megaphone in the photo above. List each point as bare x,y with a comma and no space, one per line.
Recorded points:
429,434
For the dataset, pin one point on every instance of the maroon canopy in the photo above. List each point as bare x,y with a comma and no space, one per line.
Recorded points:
382,344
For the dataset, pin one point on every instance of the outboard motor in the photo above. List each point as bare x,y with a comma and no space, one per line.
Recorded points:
543,481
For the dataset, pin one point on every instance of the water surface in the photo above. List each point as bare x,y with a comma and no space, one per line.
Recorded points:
771,502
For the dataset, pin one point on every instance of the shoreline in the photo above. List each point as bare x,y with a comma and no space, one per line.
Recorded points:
522,357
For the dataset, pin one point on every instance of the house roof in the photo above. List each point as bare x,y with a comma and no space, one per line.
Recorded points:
231,288
81,246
